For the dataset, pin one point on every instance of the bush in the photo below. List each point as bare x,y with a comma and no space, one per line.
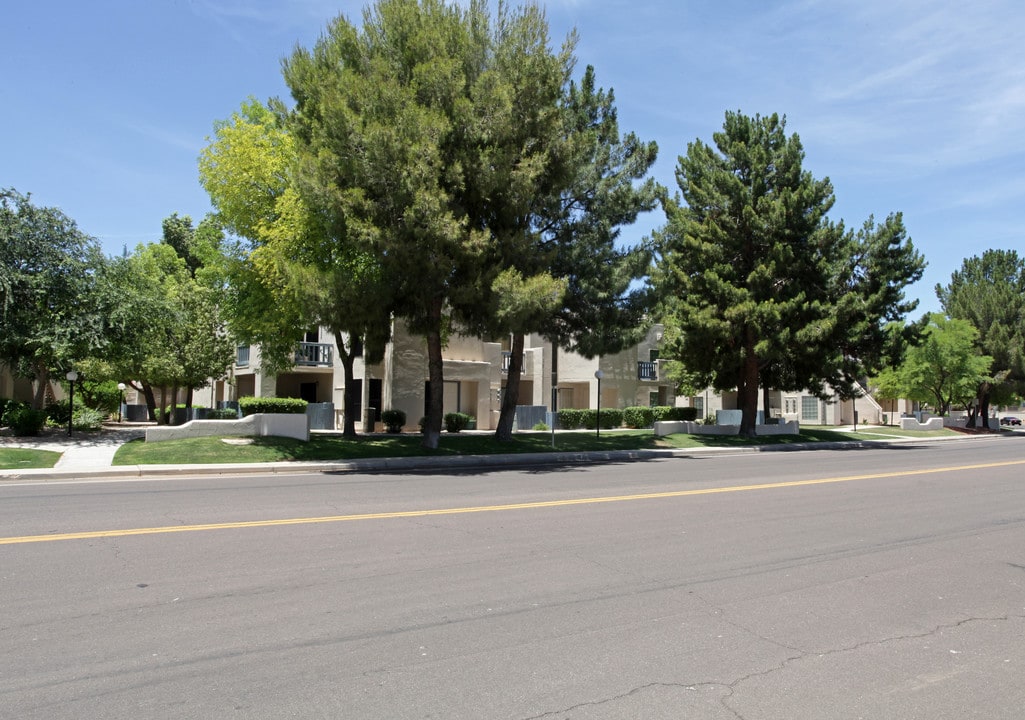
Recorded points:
85,418
24,420
254,405
59,413
638,417
709,420
611,418
222,414
4,404
541,427
670,413
454,422
393,420
571,419
690,414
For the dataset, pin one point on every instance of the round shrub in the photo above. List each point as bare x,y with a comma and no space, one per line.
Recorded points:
24,421
394,420
454,422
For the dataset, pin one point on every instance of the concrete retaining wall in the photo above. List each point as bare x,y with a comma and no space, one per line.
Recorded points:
911,423
259,425
671,427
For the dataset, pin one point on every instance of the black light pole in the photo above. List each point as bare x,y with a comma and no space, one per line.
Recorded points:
72,376
121,388
598,374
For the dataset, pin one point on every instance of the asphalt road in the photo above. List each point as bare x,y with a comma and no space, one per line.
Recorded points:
787,585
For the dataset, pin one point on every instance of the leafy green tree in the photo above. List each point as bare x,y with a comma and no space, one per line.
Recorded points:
989,292
164,328
50,313
293,266
758,286
409,134
943,369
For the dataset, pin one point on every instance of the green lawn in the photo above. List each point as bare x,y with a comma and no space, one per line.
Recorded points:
330,447
22,458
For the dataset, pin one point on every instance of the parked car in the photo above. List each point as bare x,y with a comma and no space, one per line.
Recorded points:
1010,420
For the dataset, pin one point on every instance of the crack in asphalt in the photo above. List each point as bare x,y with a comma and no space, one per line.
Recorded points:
730,688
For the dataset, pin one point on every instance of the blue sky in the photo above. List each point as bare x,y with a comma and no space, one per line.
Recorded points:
915,106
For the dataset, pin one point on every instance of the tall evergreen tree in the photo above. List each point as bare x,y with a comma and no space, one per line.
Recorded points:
408,128
758,285
989,292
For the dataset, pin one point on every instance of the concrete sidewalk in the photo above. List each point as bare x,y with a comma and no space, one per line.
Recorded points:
82,450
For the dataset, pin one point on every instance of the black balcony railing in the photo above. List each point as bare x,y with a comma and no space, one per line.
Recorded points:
647,371
314,354
242,356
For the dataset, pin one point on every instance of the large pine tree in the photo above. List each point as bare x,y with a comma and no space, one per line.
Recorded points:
758,286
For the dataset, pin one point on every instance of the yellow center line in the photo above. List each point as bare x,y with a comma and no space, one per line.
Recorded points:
489,508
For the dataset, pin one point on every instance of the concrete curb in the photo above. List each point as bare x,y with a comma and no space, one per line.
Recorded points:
423,464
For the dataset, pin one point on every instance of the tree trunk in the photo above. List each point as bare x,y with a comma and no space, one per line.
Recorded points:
436,376
172,410
151,401
42,381
984,407
766,407
748,392
165,417
511,399
349,399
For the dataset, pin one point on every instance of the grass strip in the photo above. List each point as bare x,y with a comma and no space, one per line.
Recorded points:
321,448
24,458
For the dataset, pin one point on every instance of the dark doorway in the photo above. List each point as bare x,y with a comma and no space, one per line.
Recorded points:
376,397
308,391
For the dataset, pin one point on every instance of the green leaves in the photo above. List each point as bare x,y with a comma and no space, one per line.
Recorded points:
758,285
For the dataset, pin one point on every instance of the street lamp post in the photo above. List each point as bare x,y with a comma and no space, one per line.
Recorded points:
121,389
72,376
598,374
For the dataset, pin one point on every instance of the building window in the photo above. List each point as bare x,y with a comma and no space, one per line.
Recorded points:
699,403
809,408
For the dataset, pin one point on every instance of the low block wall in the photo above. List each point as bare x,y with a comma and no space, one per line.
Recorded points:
911,423
670,427
259,425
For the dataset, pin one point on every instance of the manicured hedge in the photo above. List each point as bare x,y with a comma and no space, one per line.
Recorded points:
254,405
222,414
570,419
575,419
638,417
667,412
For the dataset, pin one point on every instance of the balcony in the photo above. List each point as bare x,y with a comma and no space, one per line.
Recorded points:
314,355
647,371
242,356
507,361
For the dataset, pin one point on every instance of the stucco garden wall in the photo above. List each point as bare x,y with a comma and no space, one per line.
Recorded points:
260,425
